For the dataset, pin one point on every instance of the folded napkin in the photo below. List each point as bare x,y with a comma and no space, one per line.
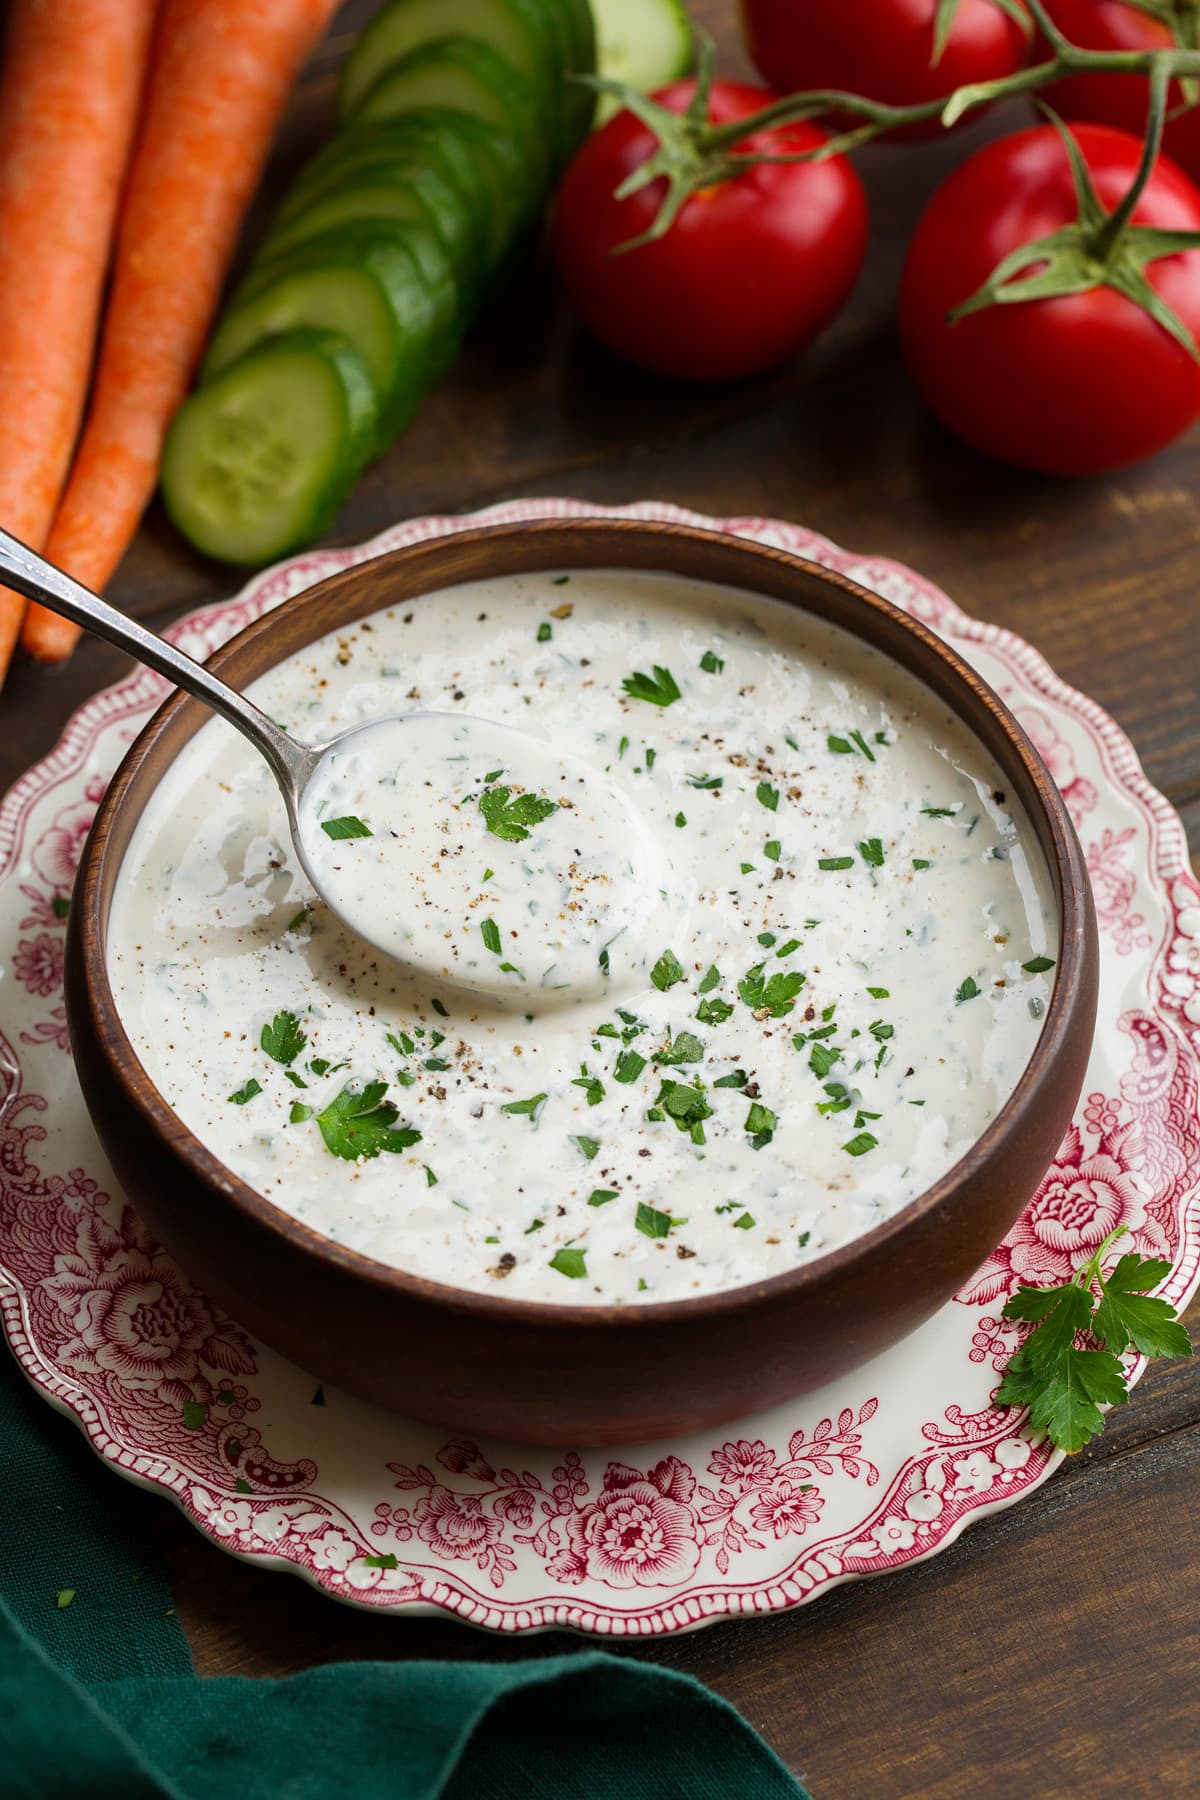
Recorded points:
98,1697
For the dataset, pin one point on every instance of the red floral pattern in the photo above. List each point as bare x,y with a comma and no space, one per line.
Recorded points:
108,1326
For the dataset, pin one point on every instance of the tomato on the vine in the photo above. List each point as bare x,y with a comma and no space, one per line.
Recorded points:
883,49
1121,100
1075,384
752,266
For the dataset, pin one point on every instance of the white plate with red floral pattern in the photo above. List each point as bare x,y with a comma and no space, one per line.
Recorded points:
882,1469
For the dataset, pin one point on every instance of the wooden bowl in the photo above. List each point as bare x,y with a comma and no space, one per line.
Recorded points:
551,1374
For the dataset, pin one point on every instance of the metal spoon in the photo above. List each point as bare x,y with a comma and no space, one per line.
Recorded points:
574,904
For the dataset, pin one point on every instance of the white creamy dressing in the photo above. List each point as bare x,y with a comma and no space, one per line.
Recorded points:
768,976
395,828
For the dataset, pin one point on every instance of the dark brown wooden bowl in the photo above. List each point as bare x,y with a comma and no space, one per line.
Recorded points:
553,1374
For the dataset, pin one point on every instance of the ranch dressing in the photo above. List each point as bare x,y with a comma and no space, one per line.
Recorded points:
811,949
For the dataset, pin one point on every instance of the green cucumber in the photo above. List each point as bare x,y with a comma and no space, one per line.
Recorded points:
407,191
523,32
646,43
258,461
579,30
367,287
483,158
469,77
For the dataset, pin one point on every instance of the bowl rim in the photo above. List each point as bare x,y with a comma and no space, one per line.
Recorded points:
1067,868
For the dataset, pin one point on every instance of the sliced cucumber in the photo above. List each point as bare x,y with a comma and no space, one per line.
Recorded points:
367,288
466,76
409,190
258,461
482,157
644,42
579,29
524,32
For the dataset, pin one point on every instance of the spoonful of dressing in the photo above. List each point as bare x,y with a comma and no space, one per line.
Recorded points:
473,853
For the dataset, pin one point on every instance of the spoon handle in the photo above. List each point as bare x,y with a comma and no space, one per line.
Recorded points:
31,575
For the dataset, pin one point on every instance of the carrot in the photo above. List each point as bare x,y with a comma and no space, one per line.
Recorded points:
69,92
220,73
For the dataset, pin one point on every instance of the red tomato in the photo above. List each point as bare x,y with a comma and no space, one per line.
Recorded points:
882,49
751,269
1071,385
1120,99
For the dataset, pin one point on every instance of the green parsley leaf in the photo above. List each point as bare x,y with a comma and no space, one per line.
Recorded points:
628,1066
773,849
1128,1315
711,663
545,632
651,1223
776,994
667,971
760,1123
835,862
240,1095
588,1147
299,1113
747,1222
939,812
360,1122
921,862
680,820
878,993
349,827
431,1179
592,1086
966,990
1037,965
871,851
684,1047
297,920
570,1263
839,746
685,1104
821,1059
737,1079
661,690
402,1044
767,795
511,818
859,1145
489,931
713,1012
525,1109
863,745
602,1196
283,1039
710,979
710,782
766,939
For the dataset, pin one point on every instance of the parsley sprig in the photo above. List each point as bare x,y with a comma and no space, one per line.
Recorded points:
360,1122
510,817
1064,1386
661,689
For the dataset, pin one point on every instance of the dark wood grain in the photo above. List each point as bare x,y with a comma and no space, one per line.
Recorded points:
1054,1649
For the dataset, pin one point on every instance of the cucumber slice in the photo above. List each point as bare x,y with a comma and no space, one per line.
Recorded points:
406,143
485,160
258,461
363,286
410,191
644,42
579,30
468,77
523,32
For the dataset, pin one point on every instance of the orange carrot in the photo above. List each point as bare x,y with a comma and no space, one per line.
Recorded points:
69,92
220,73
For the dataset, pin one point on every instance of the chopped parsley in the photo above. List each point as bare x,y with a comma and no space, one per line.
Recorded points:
966,990
747,1222
1037,965
588,1147
767,795
680,820
525,1109
686,1105
652,1223
489,931
710,979
241,1095
545,632
349,827
713,1012
602,1196
431,1179
773,994
871,851
773,849
706,781
628,1066
835,862
760,1123
667,971
570,1263
360,1122
511,817
685,1047
592,1085
711,663
299,1113
660,690
283,1039
878,993
860,1144
821,1059
939,812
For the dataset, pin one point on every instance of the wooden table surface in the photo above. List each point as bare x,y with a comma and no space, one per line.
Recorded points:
1056,1647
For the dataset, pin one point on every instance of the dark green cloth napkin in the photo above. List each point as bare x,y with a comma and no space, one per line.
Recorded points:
98,1698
